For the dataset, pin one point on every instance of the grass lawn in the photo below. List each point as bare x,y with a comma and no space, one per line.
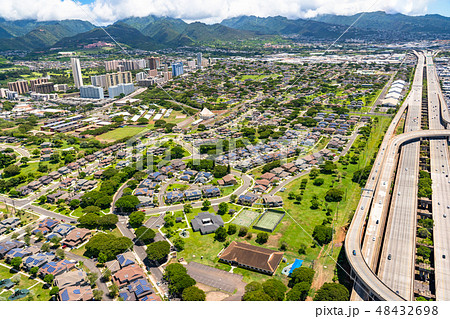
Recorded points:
296,234
121,132
297,226
38,292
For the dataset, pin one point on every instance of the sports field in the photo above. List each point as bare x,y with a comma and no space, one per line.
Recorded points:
269,220
246,218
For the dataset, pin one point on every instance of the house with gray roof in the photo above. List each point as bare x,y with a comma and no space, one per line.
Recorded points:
206,223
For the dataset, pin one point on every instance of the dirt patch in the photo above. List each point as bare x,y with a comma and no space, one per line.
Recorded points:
216,296
274,240
212,294
340,236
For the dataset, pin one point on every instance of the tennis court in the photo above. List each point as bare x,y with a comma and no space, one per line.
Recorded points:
246,218
269,220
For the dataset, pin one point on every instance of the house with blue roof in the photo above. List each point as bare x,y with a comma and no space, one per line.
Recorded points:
21,252
76,293
56,267
174,197
126,259
203,177
140,288
193,194
143,191
6,246
213,191
247,199
63,229
37,260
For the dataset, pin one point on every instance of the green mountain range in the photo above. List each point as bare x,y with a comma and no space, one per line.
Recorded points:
42,34
121,32
283,26
381,21
152,32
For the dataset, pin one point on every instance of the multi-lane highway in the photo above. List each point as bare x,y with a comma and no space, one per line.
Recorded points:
440,170
396,276
398,253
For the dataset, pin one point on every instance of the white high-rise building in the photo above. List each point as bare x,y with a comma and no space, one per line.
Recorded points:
76,71
199,60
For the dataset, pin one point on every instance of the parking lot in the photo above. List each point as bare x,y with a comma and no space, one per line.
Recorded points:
214,277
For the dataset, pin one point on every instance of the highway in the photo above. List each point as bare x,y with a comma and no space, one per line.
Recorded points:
440,168
367,282
398,253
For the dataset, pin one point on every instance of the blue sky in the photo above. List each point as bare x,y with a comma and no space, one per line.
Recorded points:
441,7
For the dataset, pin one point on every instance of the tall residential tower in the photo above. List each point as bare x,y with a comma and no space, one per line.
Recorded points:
76,71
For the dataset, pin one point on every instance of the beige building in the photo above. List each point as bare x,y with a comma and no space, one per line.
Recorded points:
20,87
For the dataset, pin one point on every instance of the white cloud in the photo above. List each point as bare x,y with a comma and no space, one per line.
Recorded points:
209,11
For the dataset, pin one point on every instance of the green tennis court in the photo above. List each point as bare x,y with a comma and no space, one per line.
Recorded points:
269,220
246,218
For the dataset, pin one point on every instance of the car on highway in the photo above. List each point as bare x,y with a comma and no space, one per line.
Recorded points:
389,257
354,252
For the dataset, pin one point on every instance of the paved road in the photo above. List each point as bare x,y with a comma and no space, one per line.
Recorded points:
399,249
440,170
142,255
92,268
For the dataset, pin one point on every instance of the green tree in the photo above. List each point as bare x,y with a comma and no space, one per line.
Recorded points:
144,235
275,289
11,170
220,234
233,198
92,278
334,195
60,254
262,238
220,171
179,243
231,229
322,234
424,252
49,279
113,291
178,279
328,167
136,219
45,247
54,291
98,294
314,173
242,231
176,152
106,276
55,240
301,274
193,293
89,220
108,244
206,205
299,292
223,208
332,292
127,203
108,221
158,251
258,295
318,181
34,271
